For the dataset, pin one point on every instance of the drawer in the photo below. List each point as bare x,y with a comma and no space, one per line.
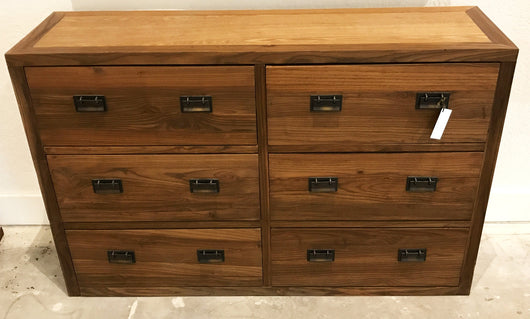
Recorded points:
143,105
373,186
378,103
367,257
105,188
166,257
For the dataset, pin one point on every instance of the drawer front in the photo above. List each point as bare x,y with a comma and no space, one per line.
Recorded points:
166,257
143,105
378,103
373,186
367,257
103,188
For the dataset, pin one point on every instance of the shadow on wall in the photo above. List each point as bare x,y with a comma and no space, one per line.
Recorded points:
241,4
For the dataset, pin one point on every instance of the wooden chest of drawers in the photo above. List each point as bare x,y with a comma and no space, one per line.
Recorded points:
265,152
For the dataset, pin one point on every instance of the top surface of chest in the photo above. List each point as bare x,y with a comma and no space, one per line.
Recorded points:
266,36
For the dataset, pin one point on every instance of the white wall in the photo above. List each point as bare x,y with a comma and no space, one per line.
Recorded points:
20,201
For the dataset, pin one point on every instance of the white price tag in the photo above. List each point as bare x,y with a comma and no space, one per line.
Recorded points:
439,128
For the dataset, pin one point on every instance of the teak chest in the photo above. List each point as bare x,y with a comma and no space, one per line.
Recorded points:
280,152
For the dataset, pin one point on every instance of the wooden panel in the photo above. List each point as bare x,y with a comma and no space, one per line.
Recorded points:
378,103
275,223
143,105
368,223
149,149
268,28
166,257
386,35
367,257
267,291
156,187
486,178
186,224
372,186
370,148
22,94
261,116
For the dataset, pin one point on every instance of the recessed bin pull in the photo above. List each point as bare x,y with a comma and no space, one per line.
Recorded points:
412,254
204,185
210,256
196,104
321,255
325,103
90,103
121,256
421,184
107,186
323,184
432,100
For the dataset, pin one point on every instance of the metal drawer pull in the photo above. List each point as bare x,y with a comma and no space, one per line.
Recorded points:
421,184
325,103
210,256
121,256
432,100
107,186
90,103
321,255
204,185
196,104
323,184
414,254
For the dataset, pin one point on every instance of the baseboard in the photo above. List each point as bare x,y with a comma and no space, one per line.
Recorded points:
506,228
508,205
22,210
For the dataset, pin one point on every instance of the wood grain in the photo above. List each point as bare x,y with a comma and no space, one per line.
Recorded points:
22,94
150,149
143,105
261,66
267,291
127,225
371,223
156,187
367,257
372,186
378,148
269,28
378,103
268,37
500,106
489,28
263,155
167,257
273,223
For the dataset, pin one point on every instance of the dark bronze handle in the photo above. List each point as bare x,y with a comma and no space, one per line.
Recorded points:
121,256
107,186
210,256
432,100
412,254
325,103
196,104
321,255
323,184
204,185
90,103
421,184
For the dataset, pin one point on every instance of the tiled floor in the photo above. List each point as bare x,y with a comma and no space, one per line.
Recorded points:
32,287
